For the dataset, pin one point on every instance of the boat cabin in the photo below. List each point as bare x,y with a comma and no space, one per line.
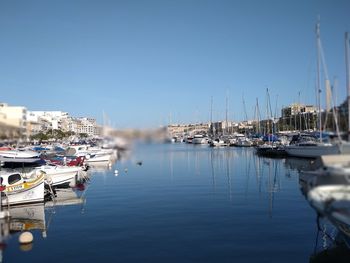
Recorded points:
12,181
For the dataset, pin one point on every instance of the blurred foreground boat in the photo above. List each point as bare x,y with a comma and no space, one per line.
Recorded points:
328,170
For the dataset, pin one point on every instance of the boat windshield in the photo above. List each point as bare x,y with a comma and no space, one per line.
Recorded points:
297,139
14,178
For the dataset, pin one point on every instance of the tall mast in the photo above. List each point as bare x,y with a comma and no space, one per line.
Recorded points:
299,111
347,50
318,85
267,112
211,115
211,109
275,115
245,116
226,114
257,111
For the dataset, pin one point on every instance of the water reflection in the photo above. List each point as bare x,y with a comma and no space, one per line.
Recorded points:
100,167
37,217
68,196
268,171
331,245
252,186
221,161
237,171
300,164
28,218
23,218
194,204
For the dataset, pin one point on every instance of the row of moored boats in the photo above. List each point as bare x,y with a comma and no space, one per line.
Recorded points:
306,145
32,174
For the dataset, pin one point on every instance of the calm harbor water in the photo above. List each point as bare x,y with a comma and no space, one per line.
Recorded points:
185,203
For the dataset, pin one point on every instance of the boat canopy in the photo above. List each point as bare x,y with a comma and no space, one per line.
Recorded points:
270,138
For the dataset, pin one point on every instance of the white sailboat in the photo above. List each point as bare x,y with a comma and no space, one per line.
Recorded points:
314,149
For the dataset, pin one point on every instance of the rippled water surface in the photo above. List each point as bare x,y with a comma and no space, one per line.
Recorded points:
185,203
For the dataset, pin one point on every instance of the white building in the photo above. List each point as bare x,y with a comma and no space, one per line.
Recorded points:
13,120
84,125
48,119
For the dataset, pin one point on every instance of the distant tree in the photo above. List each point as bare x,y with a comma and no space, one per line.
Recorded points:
69,133
83,135
41,136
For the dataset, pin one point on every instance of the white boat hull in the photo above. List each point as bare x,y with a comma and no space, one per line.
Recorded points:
200,140
32,195
99,158
311,151
57,176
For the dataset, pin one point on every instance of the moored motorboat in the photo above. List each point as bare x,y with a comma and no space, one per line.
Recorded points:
58,175
200,139
19,156
22,190
243,142
98,157
218,143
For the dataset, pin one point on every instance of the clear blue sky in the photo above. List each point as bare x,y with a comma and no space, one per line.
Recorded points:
142,62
